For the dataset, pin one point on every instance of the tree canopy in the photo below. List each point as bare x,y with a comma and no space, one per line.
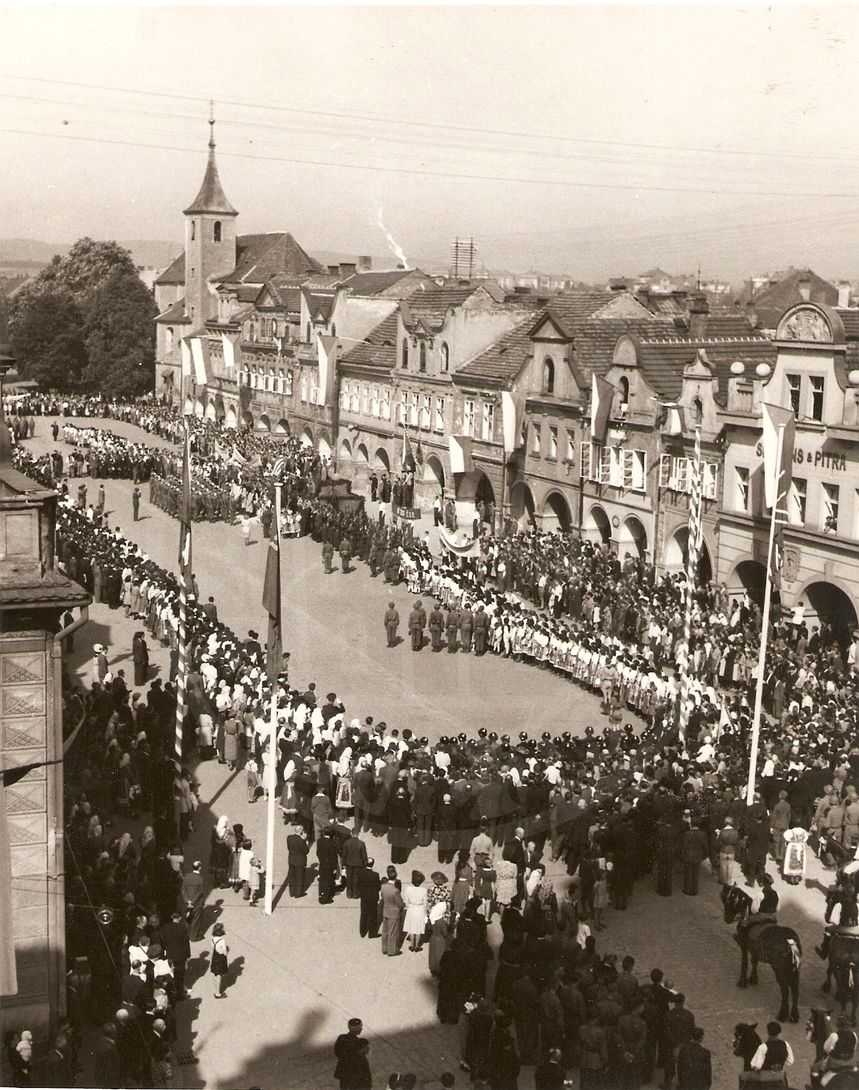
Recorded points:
85,322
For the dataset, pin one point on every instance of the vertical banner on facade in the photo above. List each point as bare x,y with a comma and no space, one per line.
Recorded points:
778,462
186,359
460,453
511,420
326,348
229,351
602,395
199,362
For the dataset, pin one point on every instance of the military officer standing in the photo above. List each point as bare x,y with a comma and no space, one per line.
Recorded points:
417,623
327,556
451,625
481,631
392,621
345,554
436,626
466,627
135,503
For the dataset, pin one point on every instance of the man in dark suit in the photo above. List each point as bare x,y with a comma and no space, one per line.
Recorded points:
194,893
694,1066
550,1074
107,1073
466,627
296,847
210,609
514,852
329,865
481,631
140,654
176,940
369,887
354,859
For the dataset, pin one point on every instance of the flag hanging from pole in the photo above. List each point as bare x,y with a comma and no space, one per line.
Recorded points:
185,513
408,463
602,395
271,598
778,472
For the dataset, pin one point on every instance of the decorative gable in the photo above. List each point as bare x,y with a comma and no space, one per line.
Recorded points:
549,328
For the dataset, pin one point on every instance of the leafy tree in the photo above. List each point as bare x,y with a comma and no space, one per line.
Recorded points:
120,336
46,331
86,320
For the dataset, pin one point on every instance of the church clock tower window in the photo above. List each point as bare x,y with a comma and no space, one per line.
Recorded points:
216,231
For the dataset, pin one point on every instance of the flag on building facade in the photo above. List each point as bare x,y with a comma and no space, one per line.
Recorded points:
185,352
408,463
199,361
511,420
461,460
778,470
271,601
185,512
602,396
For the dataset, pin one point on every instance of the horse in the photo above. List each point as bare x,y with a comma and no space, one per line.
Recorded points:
843,966
817,1029
747,1041
771,943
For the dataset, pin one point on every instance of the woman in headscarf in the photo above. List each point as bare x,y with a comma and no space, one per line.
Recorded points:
399,825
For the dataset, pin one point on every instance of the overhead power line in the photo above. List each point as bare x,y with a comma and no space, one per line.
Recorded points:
455,175
443,126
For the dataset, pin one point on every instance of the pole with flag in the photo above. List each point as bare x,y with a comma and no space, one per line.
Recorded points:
184,583
779,426
693,550
274,663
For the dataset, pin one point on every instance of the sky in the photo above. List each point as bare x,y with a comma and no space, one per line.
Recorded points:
593,141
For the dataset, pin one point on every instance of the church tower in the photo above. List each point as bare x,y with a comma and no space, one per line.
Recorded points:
210,242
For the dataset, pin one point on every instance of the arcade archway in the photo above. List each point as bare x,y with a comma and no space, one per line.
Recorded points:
596,525
189,406
381,460
264,423
281,427
231,420
248,419
324,447
828,604
749,577
220,412
199,408
556,513
307,438
210,411
677,554
522,506
345,452
632,539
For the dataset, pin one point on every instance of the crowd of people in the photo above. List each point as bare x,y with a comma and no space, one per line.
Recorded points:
612,807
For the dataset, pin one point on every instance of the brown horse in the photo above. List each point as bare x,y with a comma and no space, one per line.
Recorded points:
777,946
843,966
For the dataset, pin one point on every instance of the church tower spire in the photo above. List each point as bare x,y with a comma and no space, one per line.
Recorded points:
210,241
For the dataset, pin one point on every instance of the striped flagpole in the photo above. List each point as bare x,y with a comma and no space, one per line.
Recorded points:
695,532
184,574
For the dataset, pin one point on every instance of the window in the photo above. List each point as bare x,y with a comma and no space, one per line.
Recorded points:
697,411
488,420
246,377
386,403
333,329
365,399
401,409
354,398
817,384
711,480
422,358
536,439
445,357
169,338
794,386
414,399
280,386
830,508
426,411
570,455
623,407
468,417
405,358
308,333
742,488
344,399
288,390
270,386
216,231
439,414
193,272
374,401
797,500
548,375
553,442
193,229
586,461
634,463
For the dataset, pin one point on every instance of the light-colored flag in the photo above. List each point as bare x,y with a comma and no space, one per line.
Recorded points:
778,472
325,352
511,419
199,362
229,350
186,359
602,395
460,453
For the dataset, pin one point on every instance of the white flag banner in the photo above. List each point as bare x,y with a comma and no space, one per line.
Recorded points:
326,348
199,362
186,359
511,419
777,473
229,350
460,453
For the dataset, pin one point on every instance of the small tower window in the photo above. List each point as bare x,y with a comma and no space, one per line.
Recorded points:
548,375
193,229
216,231
697,411
445,357
624,396
423,356
405,353
309,338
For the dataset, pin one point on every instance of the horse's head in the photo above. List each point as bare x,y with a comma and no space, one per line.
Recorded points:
737,903
746,1039
819,1024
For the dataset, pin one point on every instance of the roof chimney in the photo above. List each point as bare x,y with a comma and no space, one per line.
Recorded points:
805,287
844,293
699,310
365,263
347,269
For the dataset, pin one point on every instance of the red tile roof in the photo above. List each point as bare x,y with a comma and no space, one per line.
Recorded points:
501,362
664,360
174,313
262,257
175,271
379,347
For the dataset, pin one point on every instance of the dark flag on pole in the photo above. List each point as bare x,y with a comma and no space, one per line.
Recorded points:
185,512
271,600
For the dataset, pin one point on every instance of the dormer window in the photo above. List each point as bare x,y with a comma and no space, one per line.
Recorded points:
624,396
697,411
216,231
445,357
422,366
548,375
405,358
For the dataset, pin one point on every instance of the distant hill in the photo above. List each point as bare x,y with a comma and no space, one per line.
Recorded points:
33,253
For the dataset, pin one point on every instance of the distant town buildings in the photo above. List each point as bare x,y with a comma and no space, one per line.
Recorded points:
491,381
